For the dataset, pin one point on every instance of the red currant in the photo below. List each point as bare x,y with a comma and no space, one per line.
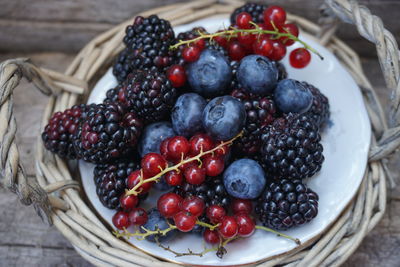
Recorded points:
241,206
229,227
176,74
263,46
191,53
236,51
128,202
222,151
214,165
201,44
211,237
222,41
164,148
138,216
278,50
292,29
135,177
243,20
275,14
169,204
194,205
299,58
184,221
121,220
153,163
178,147
215,213
195,175
246,39
200,142
188,165
246,224
174,178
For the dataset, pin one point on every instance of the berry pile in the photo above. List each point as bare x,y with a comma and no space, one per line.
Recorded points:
209,119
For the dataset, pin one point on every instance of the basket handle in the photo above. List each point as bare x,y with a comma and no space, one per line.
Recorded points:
371,27
12,174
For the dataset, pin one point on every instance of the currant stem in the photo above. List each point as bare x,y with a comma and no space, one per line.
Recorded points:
207,225
233,32
134,190
296,240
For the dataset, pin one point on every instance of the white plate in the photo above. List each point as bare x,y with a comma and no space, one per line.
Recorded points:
346,145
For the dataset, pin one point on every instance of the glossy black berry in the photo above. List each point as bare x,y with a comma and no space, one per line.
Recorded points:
255,10
319,111
286,203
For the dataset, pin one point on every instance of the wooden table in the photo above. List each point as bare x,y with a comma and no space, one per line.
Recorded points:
26,240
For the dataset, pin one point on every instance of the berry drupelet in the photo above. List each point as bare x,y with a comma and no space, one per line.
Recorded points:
110,181
147,43
291,147
58,134
319,111
286,203
150,94
212,192
107,133
255,10
261,112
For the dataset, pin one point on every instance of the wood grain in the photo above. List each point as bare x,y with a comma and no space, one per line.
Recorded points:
58,25
25,240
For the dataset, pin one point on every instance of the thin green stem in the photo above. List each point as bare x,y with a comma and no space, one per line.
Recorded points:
296,240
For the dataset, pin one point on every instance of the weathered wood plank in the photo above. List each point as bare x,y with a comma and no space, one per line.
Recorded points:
46,25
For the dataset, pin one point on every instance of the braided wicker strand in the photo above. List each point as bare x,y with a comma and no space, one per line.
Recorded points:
54,192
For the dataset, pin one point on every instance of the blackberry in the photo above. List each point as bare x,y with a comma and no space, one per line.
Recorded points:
260,113
110,181
319,111
291,147
147,43
150,94
212,191
286,203
58,133
234,82
107,133
255,10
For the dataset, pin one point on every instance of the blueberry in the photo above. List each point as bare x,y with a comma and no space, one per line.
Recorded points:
292,96
157,221
244,178
224,117
186,114
257,74
153,135
210,75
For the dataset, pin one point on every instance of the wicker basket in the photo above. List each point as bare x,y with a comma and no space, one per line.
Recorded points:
55,194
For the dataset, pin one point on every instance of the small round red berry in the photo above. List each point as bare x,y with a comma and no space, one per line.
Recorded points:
236,51
292,29
200,142
134,178
241,206
211,237
243,20
138,216
222,41
128,202
222,151
246,39
195,175
121,220
184,221
187,165
153,163
215,213
275,14
177,75
178,147
214,165
201,44
299,58
229,227
194,205
164,148
191,53
263,46
246,224
278,50
174,178
169,204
